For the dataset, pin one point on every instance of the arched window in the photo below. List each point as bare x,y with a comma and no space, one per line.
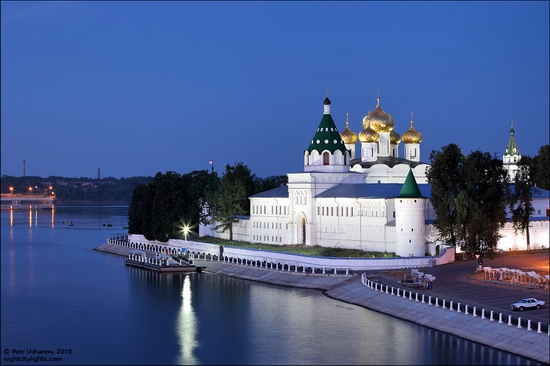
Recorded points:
325,158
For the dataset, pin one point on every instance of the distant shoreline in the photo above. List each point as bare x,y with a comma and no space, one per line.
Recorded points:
69,203
91,203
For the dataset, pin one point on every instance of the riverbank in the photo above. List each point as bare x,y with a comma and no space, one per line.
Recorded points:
350,289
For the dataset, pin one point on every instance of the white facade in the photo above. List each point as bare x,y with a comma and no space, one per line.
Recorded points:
359,204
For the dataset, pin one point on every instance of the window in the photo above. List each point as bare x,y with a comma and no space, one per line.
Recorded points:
326,158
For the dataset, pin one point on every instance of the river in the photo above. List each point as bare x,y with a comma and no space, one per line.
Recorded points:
65,304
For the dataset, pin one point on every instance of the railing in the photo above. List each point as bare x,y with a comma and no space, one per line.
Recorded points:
312,263
459,308
144,259
278,261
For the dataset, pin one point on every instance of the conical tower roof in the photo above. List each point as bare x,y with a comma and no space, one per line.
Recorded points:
512,148
410,188
327,136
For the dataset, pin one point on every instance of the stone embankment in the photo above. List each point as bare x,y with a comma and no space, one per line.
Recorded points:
352,289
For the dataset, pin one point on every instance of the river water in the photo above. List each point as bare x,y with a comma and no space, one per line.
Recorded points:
65,304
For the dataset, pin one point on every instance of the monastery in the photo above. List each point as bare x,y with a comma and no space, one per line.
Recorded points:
370,199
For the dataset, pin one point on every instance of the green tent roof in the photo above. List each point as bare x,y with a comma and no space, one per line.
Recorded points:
327,137
410,188
512,148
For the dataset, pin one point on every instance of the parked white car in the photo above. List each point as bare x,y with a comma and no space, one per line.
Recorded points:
529,303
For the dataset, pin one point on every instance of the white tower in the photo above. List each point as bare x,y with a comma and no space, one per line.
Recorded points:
327,152
511,156
410,222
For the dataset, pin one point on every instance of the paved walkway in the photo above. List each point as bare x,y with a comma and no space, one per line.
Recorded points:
452,283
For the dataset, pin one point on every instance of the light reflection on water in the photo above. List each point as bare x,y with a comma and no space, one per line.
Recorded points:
186,325
58,292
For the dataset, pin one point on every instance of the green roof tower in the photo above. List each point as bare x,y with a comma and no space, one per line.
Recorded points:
327,151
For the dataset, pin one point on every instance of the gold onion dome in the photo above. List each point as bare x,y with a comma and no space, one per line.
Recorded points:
394,137
369,135
348,136
379,120
412,136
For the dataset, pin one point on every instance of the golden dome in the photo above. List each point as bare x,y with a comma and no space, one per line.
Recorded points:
348,136
412,136
379,120
369,135
394,138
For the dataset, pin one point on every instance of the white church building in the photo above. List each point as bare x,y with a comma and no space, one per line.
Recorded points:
370,199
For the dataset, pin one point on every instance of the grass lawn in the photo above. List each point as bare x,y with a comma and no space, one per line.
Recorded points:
316,251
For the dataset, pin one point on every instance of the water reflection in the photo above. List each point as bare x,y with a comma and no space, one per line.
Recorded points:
33,212
178,318
186,325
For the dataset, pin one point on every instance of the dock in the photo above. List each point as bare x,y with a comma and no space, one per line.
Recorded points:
160,268
148,260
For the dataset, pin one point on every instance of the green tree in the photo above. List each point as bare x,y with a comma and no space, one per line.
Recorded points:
446,178
197,184
272,182
484,203
541,163
241,173
168,203
469,196
521,204
225,205
137,212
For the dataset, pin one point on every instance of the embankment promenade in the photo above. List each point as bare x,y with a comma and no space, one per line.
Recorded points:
452,283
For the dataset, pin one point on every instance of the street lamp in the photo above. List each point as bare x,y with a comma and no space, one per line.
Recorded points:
185,231
11,190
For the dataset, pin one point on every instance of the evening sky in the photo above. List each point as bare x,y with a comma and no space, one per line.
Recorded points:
136,88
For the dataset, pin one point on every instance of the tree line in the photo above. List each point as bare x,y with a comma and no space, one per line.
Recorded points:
173,205
471,194
74,189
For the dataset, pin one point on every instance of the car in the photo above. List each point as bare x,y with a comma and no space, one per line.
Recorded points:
528,303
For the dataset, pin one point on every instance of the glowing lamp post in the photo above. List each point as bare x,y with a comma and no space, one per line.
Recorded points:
11,190
185,231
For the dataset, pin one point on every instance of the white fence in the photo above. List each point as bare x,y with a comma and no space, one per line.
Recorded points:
458,307
278,260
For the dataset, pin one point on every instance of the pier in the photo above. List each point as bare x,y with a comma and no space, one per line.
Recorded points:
26,199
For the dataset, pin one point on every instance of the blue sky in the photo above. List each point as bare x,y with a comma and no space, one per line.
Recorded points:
136,88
